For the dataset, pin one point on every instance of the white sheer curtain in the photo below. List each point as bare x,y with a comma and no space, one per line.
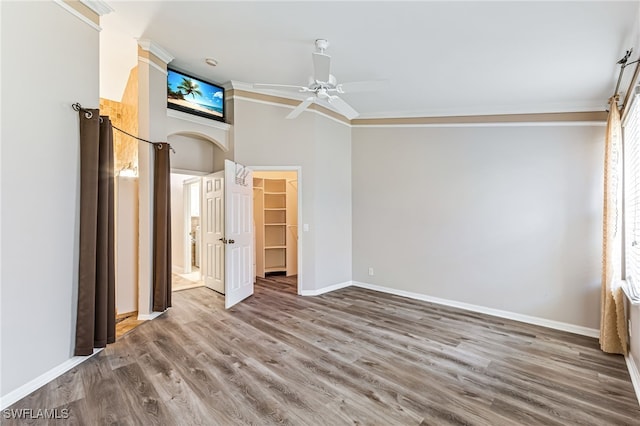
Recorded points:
613,328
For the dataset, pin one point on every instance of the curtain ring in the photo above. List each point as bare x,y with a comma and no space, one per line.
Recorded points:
77,107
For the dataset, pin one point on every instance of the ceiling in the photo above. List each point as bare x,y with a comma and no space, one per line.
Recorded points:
440,58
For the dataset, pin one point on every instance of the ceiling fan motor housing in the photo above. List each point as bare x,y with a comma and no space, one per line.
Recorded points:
322,44
323,86
315,85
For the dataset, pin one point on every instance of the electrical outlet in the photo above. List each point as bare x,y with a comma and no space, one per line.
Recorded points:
370,271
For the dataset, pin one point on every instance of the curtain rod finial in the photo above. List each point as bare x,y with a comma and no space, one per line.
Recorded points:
625,58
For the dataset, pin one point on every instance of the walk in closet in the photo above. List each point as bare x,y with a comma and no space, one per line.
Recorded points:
275,217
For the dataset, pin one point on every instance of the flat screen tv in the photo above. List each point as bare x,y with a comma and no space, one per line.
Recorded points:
194,96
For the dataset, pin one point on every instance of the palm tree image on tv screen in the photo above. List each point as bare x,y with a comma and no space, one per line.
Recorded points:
193,95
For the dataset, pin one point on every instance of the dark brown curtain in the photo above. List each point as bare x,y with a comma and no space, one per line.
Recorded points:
161,228
96,319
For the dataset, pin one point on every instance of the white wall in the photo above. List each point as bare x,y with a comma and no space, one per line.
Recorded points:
55,56
507,218
322,148
177,221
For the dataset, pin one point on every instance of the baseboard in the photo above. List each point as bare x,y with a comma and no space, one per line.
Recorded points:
634,372
126,315
557,325
152,315
35,384
323,290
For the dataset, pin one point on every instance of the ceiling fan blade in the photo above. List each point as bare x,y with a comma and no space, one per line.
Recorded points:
362,86
321,66
279,87
343,107
301,107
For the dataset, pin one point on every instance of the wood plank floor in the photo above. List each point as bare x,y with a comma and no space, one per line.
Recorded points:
352,356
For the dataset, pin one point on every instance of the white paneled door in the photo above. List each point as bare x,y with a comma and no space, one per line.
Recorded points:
227,232
212,227
238,219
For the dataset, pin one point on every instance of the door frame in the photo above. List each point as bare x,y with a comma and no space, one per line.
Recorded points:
298,170
186,200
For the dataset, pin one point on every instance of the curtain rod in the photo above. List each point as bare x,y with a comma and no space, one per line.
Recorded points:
88,114
623,64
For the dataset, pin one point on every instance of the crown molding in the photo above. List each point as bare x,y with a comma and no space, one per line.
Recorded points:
580,115
228,85
98,6
152,64
589,118
155,49
78,14
241,85
531,109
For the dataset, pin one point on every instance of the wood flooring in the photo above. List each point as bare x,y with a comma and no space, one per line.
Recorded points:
130,321
179,283
353,356
126,324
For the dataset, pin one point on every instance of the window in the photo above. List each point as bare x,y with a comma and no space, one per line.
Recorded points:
631,137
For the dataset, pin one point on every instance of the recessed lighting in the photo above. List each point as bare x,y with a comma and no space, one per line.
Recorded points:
211,61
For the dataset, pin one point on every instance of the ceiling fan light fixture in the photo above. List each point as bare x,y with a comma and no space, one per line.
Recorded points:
210,61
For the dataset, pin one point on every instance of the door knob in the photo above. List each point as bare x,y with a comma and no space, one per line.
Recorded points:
232,241
224,240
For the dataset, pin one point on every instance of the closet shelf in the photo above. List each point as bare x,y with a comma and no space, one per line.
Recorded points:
274,242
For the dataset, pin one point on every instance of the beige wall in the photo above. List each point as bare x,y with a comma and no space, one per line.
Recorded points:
152,121
124,115
126,242
194,154
332,202
634,332
322,148
40,173
507,218
125,148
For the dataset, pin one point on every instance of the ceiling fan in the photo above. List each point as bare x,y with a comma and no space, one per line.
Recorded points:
323,86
